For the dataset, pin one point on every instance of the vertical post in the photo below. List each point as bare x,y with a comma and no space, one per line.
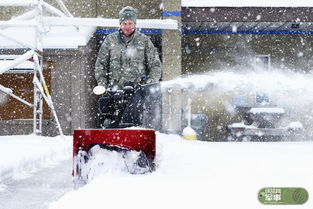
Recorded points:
35,108
40,114
38,99
172,109
171,41
42,86
189,111
171,60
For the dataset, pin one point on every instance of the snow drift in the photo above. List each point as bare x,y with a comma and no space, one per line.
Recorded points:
23,155
195,174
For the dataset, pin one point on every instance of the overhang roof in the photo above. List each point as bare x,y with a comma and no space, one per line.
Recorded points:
54,37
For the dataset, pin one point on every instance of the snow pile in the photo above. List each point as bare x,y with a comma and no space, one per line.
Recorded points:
104,161
196,174
267,110
23,155
111,161
295,125
188,131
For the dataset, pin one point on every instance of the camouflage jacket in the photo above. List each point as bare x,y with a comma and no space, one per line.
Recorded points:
118,62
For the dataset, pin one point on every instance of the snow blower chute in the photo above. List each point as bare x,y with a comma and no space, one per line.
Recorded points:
130,149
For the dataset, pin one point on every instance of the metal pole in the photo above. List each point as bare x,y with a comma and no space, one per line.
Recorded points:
40,50
64,9
189,112
46,95
35,130
17,61
53,10
9,92
25,16
170,91
37,47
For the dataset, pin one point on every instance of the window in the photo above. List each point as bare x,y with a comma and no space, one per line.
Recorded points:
21,83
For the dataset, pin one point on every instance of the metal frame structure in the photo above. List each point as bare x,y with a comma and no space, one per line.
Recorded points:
35,18
35,55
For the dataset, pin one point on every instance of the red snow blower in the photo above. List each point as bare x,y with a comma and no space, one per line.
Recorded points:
138,107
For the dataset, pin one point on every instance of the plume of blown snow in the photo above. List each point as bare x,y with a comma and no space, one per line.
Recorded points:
288,89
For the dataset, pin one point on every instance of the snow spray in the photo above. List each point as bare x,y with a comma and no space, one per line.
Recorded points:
219,91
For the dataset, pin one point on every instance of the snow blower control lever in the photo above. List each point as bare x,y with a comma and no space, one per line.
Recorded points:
112,105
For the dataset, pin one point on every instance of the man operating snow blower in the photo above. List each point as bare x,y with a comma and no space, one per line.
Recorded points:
126,59
128,70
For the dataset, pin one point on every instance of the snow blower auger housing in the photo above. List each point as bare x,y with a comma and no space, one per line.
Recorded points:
135,148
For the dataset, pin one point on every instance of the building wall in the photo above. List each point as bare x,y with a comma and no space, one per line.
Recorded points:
202,53
110,8
7,12
147,9
73,81
205,52
247,14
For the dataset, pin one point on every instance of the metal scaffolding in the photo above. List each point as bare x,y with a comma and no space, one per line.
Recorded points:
38,21
34,54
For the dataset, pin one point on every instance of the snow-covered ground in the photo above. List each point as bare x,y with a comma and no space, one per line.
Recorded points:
196,174
189,174
24,155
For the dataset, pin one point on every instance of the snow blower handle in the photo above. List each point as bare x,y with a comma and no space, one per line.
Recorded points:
99,90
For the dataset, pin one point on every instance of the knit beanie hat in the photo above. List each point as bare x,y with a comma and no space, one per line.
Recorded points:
128,13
